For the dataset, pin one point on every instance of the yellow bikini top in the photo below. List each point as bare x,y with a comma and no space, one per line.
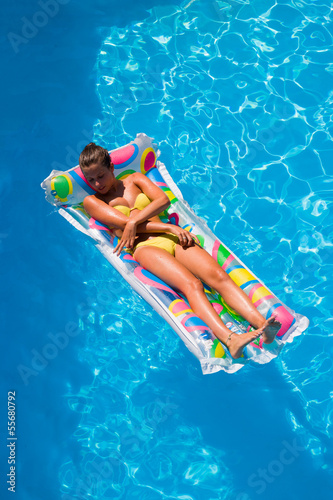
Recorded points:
141,202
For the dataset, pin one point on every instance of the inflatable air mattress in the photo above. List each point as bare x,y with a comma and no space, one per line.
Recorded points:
67,190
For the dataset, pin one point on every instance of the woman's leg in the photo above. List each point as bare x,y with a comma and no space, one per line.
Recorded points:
202,265
166,267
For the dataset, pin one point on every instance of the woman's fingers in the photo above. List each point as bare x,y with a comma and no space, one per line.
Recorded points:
121,244
183,240
186,239
128,238
118,248
196,239
189,239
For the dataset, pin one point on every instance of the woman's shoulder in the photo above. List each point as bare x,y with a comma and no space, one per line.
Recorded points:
134,178
138,179
134,181
92,199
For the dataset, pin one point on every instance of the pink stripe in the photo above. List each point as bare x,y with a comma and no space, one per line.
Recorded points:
191,328
201,328
78,171
227,262
256,304
180,307
218,308
129,257
149,279
93,224
215,249
281,314
253,289
123,154
256,345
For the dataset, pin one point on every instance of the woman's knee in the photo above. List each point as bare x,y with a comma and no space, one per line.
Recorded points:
192,285
219,276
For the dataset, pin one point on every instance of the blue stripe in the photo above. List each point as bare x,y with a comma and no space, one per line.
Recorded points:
269,313
248,283
82,183
154,175
101,225
229,269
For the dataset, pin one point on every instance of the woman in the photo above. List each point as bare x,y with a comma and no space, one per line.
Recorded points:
131,207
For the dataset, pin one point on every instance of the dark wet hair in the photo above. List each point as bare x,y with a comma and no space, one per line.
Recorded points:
94,154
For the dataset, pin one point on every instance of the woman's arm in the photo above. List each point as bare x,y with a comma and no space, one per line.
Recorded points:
138,222
112,217
105,214
186,239
159,200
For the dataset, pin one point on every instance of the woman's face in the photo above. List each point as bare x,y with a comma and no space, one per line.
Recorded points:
100,177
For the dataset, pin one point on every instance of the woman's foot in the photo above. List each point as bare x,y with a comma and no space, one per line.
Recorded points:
270,329
236,343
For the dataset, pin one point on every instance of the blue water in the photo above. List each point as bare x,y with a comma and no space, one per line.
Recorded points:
110,404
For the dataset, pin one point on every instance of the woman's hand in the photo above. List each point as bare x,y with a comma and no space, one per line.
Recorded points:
128,237
186,239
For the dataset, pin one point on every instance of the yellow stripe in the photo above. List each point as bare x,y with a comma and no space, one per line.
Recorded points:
171,307
260,293
182,312
219,351
241,276
170,194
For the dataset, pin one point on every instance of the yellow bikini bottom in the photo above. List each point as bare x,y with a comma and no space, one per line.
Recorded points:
167,241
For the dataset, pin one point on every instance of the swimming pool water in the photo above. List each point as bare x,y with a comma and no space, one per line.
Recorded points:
110,404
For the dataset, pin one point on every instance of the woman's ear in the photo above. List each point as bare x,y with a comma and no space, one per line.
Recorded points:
111,165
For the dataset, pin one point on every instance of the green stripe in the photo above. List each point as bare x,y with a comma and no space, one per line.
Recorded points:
222,255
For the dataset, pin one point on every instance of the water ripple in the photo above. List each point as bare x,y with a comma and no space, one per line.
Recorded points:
238,96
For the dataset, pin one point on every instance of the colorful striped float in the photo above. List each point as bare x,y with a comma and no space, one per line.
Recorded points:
66,190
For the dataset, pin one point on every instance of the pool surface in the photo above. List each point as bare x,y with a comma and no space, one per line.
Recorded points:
109,403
